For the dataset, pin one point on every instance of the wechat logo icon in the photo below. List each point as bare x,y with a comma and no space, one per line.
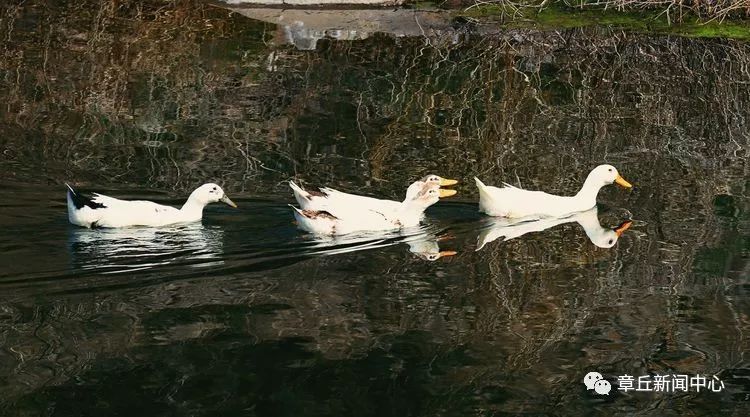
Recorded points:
595,381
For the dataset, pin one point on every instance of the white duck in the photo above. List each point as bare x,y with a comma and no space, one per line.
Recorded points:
330,213
328,197
514,202
103,211
509,229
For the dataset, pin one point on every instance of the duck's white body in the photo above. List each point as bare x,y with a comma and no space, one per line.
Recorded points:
510,229
332,212
328,198
104,211
339,222
513,202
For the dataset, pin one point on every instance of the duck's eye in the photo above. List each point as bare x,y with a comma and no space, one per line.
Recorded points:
611,241
610,170
213,189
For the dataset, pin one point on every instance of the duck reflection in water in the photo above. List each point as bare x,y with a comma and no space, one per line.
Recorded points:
423,242
138,248
426,246
512,228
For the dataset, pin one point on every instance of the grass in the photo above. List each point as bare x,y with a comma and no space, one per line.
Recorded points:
557,17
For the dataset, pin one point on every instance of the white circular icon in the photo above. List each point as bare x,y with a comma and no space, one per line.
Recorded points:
591,378
602,387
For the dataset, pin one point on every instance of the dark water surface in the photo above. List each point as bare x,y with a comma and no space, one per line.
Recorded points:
245,315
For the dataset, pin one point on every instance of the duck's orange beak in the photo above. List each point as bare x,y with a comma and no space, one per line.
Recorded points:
445,182
621,182
444,253
619,230
447,193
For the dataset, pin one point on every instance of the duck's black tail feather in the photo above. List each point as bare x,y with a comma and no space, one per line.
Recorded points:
80,200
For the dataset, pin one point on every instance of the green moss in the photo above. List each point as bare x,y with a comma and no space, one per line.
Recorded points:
646,21
487,11
719,30
580,18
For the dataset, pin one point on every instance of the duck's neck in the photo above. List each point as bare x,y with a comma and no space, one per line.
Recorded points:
193,208
598,235
586,197
590,223
411,206
410,213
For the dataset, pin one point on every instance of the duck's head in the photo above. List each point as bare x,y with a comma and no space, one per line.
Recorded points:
434,256
428,249
436,179
210,193
606,175
421,195
608,238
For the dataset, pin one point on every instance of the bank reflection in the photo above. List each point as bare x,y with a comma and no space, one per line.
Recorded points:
303,28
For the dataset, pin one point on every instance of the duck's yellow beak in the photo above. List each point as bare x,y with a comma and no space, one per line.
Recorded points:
444,253
445,182
228,202
619,230
621,182
447,193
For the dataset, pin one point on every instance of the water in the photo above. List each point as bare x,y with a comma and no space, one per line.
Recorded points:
245,315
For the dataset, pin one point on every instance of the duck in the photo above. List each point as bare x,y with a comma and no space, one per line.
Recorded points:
508,229
514,202
328,197
330,212
104,211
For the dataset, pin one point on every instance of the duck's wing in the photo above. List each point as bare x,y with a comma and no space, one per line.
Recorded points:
82,210
101,201
522,203
510,201
315,221
308,200
79,201
328,197
135,205
107,202
342,199
344,219
137,213
104,211
120,213
490,199
370,218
